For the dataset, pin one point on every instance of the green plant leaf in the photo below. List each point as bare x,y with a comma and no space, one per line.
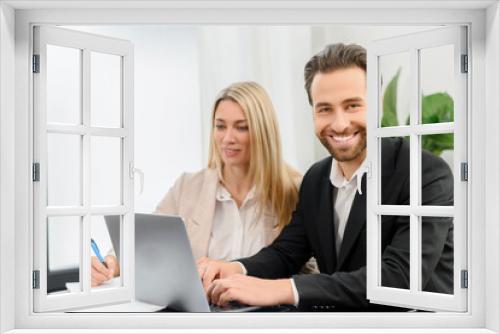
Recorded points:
437,108
389,102
438,143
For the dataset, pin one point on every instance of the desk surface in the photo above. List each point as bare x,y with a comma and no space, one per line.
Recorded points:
140,307
132,307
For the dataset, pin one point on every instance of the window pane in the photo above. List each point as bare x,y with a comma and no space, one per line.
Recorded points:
63,254
106,88
106,237
63,85
437,254
389,166
436,84
64,169
396,256
106,170
394,89
437,169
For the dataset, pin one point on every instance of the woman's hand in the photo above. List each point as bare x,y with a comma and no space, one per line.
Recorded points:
101,273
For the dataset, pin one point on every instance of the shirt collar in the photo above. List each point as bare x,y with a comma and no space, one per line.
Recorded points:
339,181
223,195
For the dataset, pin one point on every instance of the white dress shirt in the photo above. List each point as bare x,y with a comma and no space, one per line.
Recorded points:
346,190
237,232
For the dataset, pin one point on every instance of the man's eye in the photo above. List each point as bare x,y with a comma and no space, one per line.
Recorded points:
354,106
323,110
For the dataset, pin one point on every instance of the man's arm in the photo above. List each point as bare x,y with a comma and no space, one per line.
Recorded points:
341,289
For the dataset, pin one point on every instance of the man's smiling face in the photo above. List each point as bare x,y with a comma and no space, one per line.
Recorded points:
339,109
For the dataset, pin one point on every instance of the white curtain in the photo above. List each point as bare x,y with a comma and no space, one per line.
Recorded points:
273,56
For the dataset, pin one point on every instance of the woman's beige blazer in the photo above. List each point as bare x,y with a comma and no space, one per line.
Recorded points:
193,198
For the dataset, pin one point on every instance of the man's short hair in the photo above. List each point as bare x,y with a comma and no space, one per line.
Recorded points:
331,58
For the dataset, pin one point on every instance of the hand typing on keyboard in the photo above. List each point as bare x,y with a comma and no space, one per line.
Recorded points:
250,291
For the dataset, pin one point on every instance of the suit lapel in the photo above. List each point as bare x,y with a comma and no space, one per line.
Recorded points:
325,225
355,223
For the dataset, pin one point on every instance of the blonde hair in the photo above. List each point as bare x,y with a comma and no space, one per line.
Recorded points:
273,178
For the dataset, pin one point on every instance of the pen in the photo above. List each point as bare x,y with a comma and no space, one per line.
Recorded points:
97,252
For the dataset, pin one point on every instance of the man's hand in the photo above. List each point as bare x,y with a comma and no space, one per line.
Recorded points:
210,269
250,291
102,273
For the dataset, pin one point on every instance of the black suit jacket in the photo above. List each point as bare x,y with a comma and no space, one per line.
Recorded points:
341,283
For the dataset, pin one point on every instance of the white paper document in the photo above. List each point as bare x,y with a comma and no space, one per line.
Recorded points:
73,287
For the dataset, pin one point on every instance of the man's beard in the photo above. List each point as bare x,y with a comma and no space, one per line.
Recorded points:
350,153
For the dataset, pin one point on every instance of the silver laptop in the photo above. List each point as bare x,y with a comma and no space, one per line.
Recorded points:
165,269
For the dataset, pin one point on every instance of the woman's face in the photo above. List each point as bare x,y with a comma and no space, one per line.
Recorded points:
231,134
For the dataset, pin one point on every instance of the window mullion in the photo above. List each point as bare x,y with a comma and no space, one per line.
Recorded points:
54,211
404,210
85,246
420,129
414,171
127,262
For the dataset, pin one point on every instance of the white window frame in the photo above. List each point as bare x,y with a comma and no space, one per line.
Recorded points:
415,297
484,213
86,44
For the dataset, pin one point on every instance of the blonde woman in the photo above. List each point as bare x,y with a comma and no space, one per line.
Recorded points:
245,196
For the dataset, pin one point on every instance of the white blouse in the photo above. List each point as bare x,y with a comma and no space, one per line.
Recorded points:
236,232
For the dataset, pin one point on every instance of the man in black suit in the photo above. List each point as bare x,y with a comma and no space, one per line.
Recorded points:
330,219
